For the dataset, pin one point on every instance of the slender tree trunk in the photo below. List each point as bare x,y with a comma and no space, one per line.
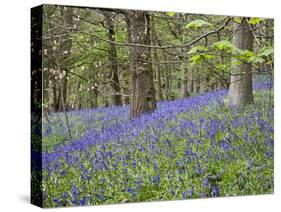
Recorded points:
80,101
157,67
197,85
143,98
241,91
191,83
184,90
53,95
94,98
115,84
75,90
158,82
207,84
64,112
125,87
66,44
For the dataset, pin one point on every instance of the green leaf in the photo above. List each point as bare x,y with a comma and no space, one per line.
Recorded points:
171,14
224,45
258,60
198,24
266,51
196,59
254,21
244,55
208,56
197,49
221,66
237,20
199,58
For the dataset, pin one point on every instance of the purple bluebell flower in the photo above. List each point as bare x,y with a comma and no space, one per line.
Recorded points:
156,179
191,192
184,195
83,200
215,191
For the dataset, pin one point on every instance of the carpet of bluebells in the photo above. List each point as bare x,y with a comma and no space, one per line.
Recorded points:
191,148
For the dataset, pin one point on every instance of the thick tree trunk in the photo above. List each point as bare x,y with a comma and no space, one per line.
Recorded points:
143,98
115,84
240,90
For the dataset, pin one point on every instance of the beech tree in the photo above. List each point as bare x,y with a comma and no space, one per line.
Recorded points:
241,86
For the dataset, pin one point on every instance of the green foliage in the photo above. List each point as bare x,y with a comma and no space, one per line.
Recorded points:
221,67
266,51
255,21
199,58
171,14
198,24
197,49
224,45
237,20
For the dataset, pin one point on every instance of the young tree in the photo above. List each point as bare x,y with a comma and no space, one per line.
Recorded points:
240,90
143,93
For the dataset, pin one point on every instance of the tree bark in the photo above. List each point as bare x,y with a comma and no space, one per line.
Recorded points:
143,93
158,83
191,82
157,67
115,84
94,98
197,84
240,90
184,89
53,95
66,43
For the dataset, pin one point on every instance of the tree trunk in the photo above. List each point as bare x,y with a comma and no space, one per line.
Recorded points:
125,87
66,43
241,91
94,98
53,95
74,92
115,84
197,85
191,82
143,98
184,91
207,84
158,82
157,67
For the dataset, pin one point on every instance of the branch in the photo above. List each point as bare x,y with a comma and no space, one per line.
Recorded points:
143,45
